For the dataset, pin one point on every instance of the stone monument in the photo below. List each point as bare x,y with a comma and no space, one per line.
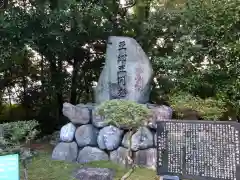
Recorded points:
127,73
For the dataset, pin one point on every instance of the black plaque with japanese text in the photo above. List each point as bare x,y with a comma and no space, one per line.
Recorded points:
3,4
199,150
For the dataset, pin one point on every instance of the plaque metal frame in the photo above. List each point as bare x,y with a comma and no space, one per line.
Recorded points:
166,177
163,170
3,4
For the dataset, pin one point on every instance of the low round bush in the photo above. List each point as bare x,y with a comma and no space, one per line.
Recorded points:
120,112
209,108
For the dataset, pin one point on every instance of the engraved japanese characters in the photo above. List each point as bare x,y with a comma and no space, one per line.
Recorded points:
127,73
198,149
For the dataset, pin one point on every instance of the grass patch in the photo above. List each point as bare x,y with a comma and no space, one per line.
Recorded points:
43,168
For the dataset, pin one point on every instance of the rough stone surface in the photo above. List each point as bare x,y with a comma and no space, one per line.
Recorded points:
94,174
90,154
76,114
81,105
159,113
142,139
146,158
109,138
67,132
65,151
90,106
127,73
98,121
125,140
118,156
86,135
155,139
102,90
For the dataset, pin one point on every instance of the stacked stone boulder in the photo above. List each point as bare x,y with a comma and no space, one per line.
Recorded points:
87,137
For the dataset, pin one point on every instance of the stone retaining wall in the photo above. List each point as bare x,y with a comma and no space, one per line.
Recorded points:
88,138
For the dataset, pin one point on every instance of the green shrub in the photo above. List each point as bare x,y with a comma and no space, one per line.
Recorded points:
208,108
16,133
124,113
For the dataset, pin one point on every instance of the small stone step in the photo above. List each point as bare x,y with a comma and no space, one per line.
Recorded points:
93,174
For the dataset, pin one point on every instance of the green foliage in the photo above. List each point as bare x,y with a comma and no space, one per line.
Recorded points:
193,45
43,167
11,113
204,54
14,136
16,133
231,96
124,113
209,108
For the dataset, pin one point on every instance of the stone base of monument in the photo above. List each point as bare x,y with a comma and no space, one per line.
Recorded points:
93,174
89,138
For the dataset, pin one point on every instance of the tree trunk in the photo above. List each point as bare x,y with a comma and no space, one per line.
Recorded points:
10,102
79,57
129,160
141,11
60,91
129,163
42,79
25,83
56,83
25,104
73,96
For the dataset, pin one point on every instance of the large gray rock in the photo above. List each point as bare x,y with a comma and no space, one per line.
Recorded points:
97,120
86,135
93,174
119,156
81,105
102,90
159,113
76,114
127,73
155,139
67,132
142,139
90,106
146,158
109,138
90,154
65,152
125,140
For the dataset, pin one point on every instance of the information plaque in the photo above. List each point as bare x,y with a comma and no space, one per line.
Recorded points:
199,150
3,4
9,167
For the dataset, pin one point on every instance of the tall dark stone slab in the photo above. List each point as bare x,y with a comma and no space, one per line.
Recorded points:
199,150
127,73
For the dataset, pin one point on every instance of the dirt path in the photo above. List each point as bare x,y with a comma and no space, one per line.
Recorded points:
41,146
